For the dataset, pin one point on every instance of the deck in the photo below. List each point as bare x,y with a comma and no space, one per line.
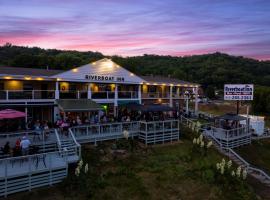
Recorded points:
58,150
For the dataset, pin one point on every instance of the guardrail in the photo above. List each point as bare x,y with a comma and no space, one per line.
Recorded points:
58,141
26,94
78,146
229,151
32,171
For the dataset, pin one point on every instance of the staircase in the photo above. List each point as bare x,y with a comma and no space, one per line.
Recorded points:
236,158
68,146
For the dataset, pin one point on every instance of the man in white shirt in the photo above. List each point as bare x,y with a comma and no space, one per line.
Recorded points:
25,144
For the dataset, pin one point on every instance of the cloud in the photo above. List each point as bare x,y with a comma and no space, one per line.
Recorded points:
173,27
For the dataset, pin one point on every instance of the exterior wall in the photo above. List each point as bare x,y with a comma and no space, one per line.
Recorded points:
13,85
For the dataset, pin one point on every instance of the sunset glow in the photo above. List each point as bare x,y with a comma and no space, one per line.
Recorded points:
118,27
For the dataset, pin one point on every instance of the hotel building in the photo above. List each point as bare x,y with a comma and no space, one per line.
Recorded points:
39,92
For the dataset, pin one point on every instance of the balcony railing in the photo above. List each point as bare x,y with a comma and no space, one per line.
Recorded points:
26,94
127,94
156,95
103,95
7,95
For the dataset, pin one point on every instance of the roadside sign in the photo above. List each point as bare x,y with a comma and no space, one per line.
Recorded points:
238,92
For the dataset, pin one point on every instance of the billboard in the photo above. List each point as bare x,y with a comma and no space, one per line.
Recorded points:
238,92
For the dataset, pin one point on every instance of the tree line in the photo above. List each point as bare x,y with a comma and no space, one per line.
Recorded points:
212,71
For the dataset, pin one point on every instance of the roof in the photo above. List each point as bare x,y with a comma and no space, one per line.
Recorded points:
231,116
4,70
159,80
76,105
104,70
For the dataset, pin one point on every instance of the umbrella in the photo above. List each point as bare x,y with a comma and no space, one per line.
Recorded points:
11,114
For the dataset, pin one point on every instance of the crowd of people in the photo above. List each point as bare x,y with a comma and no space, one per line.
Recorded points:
41,129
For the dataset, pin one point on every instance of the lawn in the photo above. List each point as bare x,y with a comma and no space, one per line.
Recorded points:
173,171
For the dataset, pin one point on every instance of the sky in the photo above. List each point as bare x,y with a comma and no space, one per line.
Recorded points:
137,27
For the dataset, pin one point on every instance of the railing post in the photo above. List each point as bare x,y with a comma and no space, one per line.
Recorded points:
29,174
7,95
56,96
89,92
78,94
6,174
33,94
50,168
140,94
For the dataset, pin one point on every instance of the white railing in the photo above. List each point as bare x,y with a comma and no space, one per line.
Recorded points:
154,95
6,95
127,94
58,140
229,151
26,94
24,173
246,164
231,134
36,137
105,130
78,146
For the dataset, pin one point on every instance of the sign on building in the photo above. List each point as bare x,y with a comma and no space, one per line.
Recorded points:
238,92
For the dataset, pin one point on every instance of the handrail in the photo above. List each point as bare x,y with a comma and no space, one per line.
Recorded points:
58,140
239,157
75,141
260,172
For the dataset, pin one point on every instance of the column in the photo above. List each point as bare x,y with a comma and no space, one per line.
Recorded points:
196,101
187,99
56,90
171,98
89,92
115,100
140,94
26,113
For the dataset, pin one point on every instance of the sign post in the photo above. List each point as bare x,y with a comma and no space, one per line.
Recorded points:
238,92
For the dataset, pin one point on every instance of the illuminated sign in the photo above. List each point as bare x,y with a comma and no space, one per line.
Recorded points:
104,78
238,91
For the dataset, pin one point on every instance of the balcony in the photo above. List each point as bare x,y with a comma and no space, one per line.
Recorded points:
45,95
157,95
27,94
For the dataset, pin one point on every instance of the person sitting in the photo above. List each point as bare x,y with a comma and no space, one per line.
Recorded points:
6,149
25,144
17,148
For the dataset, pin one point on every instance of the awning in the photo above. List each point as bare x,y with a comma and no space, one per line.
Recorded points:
78,105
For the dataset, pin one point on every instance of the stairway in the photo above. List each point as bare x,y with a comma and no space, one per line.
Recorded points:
252,171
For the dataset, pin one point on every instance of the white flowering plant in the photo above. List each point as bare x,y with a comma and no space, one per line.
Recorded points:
201,145
227,175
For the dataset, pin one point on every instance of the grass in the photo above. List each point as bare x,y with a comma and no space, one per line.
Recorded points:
153,173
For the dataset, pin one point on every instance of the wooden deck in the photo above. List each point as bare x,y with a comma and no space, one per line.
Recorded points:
24,173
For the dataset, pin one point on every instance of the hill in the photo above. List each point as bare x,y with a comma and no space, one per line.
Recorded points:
208,70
